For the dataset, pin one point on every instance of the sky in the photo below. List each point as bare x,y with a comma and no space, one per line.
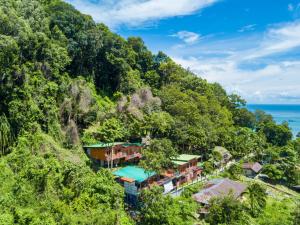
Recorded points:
251,47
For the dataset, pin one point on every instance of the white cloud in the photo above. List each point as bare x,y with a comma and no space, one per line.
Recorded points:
249,27
253,72
278,40
187,36
136,12
273,83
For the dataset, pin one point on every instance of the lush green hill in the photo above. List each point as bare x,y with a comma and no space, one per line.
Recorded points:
65,80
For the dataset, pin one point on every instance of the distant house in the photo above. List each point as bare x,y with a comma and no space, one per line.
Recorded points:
218,188
134,179
111,154
251,169
225,154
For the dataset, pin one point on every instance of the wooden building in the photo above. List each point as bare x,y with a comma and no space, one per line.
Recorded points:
134,179
114,154
185,169
218,188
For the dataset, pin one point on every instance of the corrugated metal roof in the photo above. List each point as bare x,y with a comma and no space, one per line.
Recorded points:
186,157
256,167
218,188
111,144
103,145
180,163
132,144
133,172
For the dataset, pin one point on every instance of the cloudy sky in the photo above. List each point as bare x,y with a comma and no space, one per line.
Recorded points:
251,47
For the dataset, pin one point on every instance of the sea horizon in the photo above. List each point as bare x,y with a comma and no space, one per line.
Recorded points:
289,113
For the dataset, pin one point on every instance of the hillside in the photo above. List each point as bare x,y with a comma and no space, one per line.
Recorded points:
66,81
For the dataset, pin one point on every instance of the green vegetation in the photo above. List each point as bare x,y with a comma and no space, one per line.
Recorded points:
256,208
66,80
160,209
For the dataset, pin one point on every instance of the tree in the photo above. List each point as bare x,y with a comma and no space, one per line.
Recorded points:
273,172
226,210
244,118
159,124
6,135
158,155
235,171
164,209
262,118
256,198
277,134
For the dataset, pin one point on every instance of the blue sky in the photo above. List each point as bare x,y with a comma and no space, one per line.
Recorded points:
251,47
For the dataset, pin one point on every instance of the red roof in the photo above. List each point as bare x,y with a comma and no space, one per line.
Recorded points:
256,167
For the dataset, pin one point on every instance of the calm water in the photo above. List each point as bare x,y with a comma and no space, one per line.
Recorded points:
281,113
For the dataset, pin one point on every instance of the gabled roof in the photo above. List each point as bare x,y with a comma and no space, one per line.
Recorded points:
186,157
135,173
219,188
254,166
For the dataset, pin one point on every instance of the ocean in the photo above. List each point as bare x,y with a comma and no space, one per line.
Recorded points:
281,113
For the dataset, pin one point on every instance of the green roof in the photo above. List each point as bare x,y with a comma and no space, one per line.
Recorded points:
186,157
111,144
134,172
132,144
179,163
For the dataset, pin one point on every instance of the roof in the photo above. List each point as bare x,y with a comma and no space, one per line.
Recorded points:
129,180
222,150
186,157
132,144
111,144
218,188
133,172
255,166
179,163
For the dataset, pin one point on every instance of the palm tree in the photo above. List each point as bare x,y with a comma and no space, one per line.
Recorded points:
256,198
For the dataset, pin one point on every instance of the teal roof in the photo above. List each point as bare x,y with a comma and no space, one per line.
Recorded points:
134,172
111,144
186,157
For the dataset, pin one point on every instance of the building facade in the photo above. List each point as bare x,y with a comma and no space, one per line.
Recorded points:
113,154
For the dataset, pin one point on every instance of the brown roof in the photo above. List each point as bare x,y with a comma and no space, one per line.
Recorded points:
218,188
256,167
126,179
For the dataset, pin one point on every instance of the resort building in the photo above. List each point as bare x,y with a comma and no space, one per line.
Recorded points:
251,169
185,169
218,188
134,179
114,154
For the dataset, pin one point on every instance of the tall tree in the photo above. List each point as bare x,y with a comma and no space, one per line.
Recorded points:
256,198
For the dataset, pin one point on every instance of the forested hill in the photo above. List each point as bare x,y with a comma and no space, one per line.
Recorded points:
66,80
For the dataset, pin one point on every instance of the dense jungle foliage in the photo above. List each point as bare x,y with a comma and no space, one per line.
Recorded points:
66,80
